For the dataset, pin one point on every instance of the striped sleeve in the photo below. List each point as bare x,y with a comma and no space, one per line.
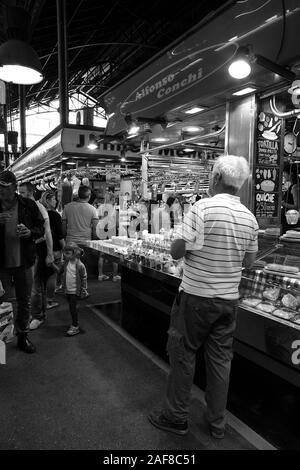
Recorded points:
193,228
253,244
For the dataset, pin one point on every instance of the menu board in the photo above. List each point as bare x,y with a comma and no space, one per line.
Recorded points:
267,177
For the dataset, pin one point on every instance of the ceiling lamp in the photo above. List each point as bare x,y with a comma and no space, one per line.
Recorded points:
240,67
191,129
194,110
92,144
244,91
134,129
160,139
19,63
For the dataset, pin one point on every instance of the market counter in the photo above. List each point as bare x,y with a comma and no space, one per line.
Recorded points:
147,298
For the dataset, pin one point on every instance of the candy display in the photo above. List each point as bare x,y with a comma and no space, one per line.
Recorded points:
152,251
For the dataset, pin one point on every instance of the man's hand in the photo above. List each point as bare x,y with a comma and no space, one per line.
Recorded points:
49,259
4,217
23,231
178,249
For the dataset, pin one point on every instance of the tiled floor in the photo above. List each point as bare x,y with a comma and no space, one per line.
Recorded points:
91,391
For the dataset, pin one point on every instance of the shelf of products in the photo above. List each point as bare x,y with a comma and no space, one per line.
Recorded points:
153,251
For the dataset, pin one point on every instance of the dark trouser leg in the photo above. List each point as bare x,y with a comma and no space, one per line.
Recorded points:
38,294
196,321
23,283
72,300
6,279
52,280
180,379
218,355
186,333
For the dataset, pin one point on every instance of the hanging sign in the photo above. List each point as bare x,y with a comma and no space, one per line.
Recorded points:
267,176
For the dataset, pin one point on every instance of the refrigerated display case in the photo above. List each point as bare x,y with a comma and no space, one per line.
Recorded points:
268,326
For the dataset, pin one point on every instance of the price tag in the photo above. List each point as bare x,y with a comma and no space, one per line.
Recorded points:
2,352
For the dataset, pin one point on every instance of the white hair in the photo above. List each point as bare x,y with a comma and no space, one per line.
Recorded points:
233,170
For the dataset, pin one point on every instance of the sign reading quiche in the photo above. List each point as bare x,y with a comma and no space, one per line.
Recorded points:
267,175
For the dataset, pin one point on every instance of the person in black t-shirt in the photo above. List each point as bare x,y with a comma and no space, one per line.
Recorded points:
48,199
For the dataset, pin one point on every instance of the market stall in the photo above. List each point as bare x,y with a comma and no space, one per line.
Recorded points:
268,325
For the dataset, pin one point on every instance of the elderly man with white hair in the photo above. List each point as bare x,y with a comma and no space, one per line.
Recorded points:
219,236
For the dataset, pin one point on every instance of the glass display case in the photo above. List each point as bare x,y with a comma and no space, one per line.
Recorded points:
268,322
272,286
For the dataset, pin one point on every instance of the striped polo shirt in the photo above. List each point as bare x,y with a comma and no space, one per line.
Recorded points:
218,232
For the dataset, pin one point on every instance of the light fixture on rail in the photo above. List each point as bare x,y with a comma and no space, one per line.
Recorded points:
92,143
133,129
241,65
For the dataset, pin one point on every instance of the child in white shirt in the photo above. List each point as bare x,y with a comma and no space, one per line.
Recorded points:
74,282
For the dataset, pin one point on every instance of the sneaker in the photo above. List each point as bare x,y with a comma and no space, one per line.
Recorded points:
35,323
73,330
159,420
116,278
51,305
217,433
103,277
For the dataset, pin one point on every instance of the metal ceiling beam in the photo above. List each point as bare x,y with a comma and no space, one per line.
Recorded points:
62,62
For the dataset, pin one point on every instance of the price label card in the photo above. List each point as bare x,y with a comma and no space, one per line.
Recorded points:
2,352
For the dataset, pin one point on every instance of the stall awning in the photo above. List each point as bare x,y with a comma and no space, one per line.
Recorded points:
194,69
67,143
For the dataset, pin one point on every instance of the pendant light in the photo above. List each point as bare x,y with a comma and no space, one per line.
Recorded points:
19,63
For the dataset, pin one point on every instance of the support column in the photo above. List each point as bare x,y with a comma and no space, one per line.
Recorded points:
22,110
62,61
144,188
239,138
6,154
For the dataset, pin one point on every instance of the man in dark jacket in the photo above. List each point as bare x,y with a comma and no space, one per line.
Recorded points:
20,224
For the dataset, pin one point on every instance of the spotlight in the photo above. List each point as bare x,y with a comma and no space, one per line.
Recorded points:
92,145
240,67
134,129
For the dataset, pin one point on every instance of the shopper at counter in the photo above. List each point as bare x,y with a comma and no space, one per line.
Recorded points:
106,228
218,235
79,218
20,224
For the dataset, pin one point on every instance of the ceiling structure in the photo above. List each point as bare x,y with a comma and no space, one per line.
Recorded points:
107,40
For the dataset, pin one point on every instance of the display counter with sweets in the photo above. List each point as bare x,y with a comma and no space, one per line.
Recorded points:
268,320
